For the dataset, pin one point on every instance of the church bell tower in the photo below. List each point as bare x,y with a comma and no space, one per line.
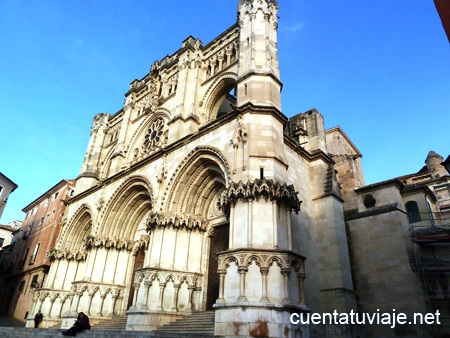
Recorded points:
261,276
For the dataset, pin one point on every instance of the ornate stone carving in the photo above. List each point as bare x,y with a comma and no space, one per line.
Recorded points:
56,254
264,188
154,136
186,222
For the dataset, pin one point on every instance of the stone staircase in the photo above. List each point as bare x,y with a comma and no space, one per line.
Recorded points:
199,323
116,323
15,332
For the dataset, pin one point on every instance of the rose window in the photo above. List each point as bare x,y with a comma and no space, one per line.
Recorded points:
153,136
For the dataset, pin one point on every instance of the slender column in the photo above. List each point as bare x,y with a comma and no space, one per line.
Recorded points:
158,262
136,290
161,296
54,275
65,274
242,271
286,272
77,302
89,277
71,302
301,289
114,297
250,221
115,266
175,250
147,288
206,242
150,249
61,308
175,298
221,299
190,289
102,301
231,241
186,264
91,296
289,228
264,273
275,224
52,301
104,265
76,271
40,301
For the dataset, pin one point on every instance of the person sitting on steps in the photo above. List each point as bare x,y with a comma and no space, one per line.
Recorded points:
82,323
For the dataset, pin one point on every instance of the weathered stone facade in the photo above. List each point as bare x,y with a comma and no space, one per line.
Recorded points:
184,165
192,198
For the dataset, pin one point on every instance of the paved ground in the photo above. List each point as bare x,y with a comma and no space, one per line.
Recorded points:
11,322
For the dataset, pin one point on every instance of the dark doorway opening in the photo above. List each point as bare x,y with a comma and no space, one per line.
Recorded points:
219,242
138,263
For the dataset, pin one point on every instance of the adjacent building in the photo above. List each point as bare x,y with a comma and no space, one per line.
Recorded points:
25,261
6,188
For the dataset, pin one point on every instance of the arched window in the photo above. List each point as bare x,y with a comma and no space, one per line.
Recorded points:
413,211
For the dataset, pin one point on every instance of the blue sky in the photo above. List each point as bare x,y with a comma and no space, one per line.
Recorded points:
379,69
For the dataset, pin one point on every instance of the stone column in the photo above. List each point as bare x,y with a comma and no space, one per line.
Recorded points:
102,300
242,271
52,301
175,297
161,296
231,245
289,227
91,296
76,303
104,266
301,289
264,273
221,299
250,221
114,297
52,268
136,291
286,272
190,289
275,223
147,288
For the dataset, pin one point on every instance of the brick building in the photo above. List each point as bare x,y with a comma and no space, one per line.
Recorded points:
25,260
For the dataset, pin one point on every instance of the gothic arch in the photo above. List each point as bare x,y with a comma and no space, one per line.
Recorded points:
197,182
106,167
217,92
126,208
77,229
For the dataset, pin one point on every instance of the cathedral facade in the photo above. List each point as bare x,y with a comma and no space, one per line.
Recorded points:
200,194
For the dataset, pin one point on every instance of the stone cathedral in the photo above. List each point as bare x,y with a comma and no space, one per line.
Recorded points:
200,194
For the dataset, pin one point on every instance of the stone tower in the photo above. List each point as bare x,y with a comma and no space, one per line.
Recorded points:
259,199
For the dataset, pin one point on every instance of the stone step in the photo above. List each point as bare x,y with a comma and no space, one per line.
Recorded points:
116,323
196,324
14,332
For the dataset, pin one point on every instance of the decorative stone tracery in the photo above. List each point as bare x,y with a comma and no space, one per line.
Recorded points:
265,188
288,262
154,136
